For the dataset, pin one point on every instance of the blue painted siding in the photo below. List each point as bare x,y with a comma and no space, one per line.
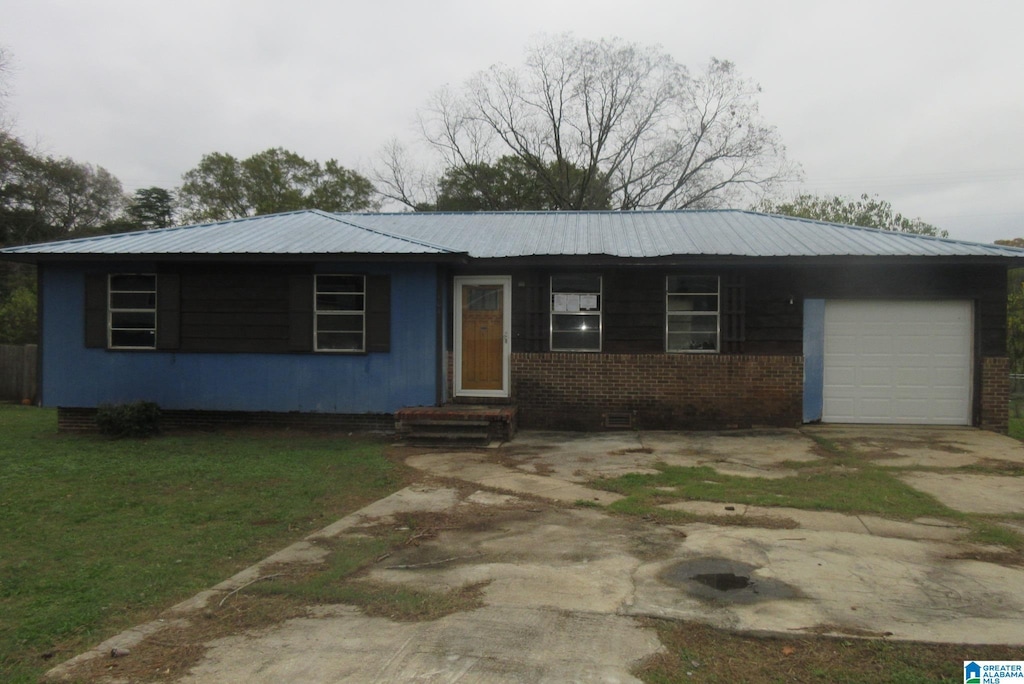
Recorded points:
73,375
814,359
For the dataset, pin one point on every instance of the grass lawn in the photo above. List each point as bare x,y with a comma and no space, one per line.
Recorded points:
97,535
1016,427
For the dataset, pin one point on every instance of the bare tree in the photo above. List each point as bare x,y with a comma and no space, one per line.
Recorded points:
629,117
5,70
398,178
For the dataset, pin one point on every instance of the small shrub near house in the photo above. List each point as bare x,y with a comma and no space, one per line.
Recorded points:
135,419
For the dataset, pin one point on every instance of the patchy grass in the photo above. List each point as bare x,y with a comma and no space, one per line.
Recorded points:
289,591
840,481
864,489
1016,427
699,653
99,535
337,581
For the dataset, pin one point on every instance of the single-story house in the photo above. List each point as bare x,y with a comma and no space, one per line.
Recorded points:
578,320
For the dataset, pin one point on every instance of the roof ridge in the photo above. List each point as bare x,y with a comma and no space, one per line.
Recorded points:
378,231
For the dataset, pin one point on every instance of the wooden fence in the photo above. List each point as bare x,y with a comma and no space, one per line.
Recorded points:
18,369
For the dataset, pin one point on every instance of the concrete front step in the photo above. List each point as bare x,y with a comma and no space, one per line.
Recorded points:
455,425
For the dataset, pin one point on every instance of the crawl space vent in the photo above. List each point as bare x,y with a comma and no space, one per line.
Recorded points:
618,421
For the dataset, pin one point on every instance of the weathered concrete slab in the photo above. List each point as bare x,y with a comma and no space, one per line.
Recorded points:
828,521
847,584
920,446
492,644
484,470
994,494
569,457
413,498
748,453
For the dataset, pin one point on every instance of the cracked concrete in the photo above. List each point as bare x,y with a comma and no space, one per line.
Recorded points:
563,586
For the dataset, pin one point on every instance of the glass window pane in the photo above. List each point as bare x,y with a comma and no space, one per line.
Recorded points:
132,319
707,324
576,341
482,297
340,323
694,341
132,300
580,323
339,302
133,338
339,341
692,302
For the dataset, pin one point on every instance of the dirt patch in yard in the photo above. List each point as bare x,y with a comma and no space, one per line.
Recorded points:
172,651
695,652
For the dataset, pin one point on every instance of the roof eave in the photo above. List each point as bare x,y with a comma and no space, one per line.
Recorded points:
233,258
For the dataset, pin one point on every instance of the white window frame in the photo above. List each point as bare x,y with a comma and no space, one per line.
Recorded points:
350,313
573,304
671,312
112,310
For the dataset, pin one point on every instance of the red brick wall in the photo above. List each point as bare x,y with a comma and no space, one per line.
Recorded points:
995,393
660,391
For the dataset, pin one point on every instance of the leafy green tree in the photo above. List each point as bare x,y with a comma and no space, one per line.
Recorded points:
1015,328
604,112
151,208
510,185
47,198
222,187
1015,311
18,317
868,211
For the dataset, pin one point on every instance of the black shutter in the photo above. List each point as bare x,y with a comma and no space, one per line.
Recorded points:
733,314
300,313
168,311
96,310
378,313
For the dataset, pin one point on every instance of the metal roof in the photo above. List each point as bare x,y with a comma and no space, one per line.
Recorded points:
486,235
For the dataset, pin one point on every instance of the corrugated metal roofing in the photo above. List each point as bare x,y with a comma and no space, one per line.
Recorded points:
726,233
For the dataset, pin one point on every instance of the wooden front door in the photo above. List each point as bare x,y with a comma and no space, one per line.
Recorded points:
481,335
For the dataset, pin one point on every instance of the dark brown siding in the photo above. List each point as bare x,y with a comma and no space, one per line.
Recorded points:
300,312
530,311
238,310
633,309
761,306
774,313
634,312
96,310
168,307
984,285
378,313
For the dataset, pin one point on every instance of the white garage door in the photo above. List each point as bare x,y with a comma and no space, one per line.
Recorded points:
897,362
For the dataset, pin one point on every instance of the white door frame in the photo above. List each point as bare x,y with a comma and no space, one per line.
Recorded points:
506,333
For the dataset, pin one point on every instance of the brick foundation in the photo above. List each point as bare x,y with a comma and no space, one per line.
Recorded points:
84,420
995,393
658,391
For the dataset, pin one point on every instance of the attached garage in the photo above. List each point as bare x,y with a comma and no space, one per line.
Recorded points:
897,362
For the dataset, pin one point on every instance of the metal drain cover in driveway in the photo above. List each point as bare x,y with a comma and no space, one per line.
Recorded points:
722,580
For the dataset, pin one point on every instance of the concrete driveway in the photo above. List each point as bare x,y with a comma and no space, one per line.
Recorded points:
564,584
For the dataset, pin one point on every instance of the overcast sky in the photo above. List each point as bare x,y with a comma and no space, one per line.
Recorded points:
921,103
